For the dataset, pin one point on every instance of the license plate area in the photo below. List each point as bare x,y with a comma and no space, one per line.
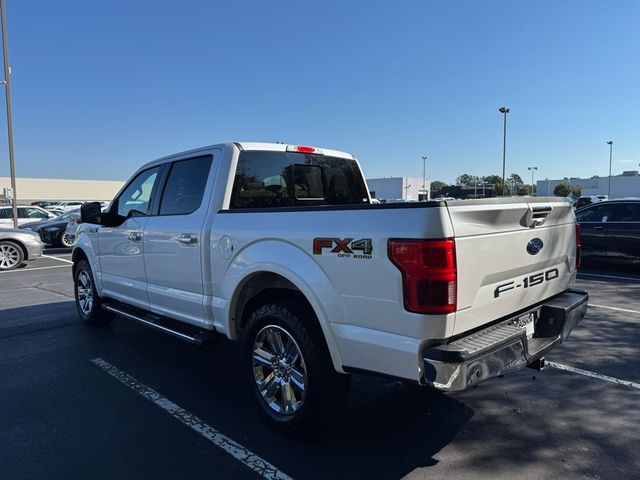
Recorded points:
527,322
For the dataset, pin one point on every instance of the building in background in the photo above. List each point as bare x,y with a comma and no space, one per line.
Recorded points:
625,185
42,189
398,188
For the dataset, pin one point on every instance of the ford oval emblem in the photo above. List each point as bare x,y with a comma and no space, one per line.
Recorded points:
534,246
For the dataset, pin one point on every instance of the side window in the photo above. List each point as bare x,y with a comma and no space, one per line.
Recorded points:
136,199
629,212
34,213
185,186
6,213
599,213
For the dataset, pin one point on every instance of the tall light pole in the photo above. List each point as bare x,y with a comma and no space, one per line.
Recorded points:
610,143
532,170
424,176
7,91
504,110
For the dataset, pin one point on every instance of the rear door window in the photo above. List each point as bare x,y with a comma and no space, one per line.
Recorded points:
285,179
621,212
185,186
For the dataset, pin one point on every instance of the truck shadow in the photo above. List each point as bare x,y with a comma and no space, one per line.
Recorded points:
386,429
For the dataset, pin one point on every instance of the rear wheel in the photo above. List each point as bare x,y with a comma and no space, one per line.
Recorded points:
65,240
11,256
88,303
288,367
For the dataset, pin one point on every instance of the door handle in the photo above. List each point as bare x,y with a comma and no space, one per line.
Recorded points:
188,238
135,236
598,228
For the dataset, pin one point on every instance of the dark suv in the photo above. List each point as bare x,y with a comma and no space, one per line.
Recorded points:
611,230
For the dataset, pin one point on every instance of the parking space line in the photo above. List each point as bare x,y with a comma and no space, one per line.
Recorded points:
587,373
581,274
26,270
57,258
237,451
617,309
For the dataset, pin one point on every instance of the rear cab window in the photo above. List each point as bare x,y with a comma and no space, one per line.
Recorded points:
266,179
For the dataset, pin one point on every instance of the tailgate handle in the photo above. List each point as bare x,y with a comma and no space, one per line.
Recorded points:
536,216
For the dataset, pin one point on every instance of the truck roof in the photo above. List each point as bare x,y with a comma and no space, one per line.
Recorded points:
273,147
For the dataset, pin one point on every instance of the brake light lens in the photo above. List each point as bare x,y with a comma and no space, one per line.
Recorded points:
303,149
429,274
578,246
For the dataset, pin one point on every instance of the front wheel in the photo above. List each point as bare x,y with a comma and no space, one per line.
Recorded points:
88,303
289,369
11,256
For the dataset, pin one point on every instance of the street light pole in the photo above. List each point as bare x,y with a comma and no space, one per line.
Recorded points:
7,91
424,176
610,143
532,170
504,110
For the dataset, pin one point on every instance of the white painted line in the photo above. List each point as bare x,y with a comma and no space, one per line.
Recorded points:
27,270
580,274
587,373
237,451
617,309
57,258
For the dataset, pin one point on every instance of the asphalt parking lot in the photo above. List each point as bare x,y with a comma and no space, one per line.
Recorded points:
127,402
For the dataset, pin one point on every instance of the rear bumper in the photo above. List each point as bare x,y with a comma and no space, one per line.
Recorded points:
505,346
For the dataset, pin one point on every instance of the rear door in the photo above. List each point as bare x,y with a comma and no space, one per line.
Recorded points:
623,231
175,241
593,225
510,254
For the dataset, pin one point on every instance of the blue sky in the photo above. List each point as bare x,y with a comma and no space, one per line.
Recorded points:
100,88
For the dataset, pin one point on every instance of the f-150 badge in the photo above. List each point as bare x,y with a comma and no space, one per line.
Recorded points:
345,248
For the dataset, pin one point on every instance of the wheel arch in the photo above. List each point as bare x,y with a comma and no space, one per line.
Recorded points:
281,271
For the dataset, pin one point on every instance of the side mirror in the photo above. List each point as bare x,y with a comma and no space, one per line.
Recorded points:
90,212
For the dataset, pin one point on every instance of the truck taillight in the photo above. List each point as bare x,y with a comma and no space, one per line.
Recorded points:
304,149
578,246
429,274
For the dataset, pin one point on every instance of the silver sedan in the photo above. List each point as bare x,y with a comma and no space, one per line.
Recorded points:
18,246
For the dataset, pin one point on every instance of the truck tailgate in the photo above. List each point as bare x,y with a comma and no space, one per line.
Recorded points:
510,254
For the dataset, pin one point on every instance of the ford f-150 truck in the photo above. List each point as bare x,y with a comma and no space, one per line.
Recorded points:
280,246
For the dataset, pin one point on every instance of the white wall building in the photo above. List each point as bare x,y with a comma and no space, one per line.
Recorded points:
625,185
34,189
396,188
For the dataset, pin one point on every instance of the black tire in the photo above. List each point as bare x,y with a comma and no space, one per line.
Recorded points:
85,291
64,243
11,255
325,390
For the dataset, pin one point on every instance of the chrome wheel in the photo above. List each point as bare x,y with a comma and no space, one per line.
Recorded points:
84,295
66,240
10,257
278,370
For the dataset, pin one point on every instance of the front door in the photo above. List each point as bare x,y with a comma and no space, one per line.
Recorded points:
175,241
121,247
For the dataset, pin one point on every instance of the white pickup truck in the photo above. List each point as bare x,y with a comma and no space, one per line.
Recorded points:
280,246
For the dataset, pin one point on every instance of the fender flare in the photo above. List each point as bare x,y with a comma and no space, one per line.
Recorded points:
83,244
296,266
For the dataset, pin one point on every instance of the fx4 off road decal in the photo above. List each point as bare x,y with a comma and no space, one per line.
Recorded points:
345,248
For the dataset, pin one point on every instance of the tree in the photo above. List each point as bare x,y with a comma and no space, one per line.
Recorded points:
466,179
576,190
495,180
562,190
437,185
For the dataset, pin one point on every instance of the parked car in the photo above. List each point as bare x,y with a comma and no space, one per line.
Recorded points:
53,232
586,200
65,206
26,214
602,197
44,204
611,230
17,247
280,246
